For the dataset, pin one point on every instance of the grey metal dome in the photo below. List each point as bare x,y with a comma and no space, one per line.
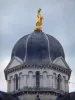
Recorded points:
38,47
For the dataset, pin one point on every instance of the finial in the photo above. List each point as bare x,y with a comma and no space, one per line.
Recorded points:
39,19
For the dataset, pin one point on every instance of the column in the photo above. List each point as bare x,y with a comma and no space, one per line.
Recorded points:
34,80
8,85
54,80
51,81
41,80
21,79
67,86
45,79
12,84
64,83
24,80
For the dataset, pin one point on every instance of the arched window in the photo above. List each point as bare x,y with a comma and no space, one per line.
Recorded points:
37,79
16,81
59,82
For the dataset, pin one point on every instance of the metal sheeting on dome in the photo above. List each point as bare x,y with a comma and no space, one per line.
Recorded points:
38,47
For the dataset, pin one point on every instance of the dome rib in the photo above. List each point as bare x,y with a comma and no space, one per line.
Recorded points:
48,47
26,46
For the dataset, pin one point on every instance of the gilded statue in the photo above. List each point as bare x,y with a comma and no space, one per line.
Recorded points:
39,19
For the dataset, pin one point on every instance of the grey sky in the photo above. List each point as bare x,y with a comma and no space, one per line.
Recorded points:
17,18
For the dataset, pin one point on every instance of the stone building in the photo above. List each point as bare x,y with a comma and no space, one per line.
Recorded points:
37,66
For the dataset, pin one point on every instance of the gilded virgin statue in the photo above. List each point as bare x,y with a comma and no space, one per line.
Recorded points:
39,19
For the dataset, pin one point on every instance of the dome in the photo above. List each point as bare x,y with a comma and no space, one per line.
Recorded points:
38,47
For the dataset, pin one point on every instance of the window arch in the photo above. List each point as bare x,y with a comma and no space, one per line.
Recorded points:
59,82
16,81
45,73
54,74
11,77
30,73
37,79
64,78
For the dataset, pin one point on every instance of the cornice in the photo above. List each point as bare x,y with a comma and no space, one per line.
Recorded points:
34,90
52,66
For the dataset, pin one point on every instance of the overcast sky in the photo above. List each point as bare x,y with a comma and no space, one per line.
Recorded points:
17,18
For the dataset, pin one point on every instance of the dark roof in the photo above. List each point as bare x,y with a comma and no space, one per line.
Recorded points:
67,96
7,96
38,47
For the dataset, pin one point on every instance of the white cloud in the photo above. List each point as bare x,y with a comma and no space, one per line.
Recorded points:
3,63
70,61
72,83
3,83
